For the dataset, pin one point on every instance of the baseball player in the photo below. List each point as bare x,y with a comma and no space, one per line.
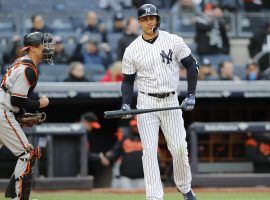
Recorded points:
153,58
18,82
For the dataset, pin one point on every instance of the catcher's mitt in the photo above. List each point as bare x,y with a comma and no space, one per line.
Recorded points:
31,119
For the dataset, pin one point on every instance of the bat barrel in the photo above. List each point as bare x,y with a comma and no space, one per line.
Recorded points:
121,113
113,114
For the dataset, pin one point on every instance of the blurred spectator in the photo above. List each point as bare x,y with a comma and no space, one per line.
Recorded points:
60,56
252,5
207,5
114,73
207,72
93,26
118,22
186,7
76,73
13,50
115,4
91,54
252,72
129,36
129,149
265,75
39,25
91,22
226,69
260,44
258,151
230,5
211,37
98,164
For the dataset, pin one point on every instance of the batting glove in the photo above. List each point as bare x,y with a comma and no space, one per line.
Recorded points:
126,107
188,103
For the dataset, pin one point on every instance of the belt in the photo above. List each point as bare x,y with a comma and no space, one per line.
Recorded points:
159,95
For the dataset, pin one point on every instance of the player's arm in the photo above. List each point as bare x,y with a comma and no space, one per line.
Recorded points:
25,103
192,68
18,98
183,55
127,88
114,153
129,74
93,157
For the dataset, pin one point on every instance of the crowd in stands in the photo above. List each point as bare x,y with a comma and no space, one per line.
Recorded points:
98,45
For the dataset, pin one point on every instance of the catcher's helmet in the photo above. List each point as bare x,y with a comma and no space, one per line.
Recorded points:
149,10
33,39
44,39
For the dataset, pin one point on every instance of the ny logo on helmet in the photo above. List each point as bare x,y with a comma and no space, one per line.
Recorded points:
168,56
147,10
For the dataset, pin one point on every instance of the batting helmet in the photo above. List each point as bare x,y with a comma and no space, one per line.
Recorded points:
149,10
146,10
44,39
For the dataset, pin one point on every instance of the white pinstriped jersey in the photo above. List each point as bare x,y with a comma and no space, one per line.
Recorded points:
16,83
157,64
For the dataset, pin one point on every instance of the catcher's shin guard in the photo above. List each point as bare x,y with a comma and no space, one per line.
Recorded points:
10,191
25,178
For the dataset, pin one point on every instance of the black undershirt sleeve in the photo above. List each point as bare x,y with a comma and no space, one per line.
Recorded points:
31,76
127,88
192,68
28,104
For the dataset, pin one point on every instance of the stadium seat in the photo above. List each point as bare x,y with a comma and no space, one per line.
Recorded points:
97,77
94,69
240,70
182,24
61,25
7,26
48,78
52,73
247,23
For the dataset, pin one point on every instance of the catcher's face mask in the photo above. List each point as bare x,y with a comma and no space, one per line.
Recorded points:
48,48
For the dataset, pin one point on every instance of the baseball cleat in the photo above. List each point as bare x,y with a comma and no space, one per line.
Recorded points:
190,196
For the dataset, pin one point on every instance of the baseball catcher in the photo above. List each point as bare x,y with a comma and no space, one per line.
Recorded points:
16,86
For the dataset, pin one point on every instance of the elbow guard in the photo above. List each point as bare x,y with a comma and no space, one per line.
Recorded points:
189,62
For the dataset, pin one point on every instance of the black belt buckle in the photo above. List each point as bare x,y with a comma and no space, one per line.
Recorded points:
161,95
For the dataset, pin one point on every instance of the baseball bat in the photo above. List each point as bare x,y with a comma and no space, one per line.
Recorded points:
121,113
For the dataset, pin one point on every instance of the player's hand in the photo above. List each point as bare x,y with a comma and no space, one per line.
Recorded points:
188,103
44,101
126,107
104,161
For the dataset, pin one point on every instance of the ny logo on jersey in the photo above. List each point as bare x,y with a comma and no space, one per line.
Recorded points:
168,56
147,10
